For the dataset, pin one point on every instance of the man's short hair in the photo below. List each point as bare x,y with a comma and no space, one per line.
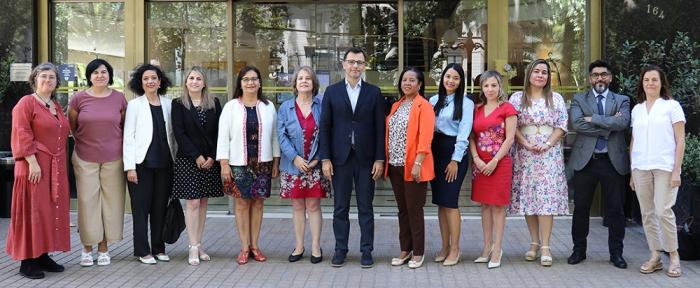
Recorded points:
355,50
599,63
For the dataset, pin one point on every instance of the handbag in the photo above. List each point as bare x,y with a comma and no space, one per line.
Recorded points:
174,222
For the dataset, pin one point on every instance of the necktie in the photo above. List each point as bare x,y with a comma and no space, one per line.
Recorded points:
601,142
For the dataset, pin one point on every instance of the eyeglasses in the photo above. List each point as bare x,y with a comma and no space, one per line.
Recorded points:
602,75
355,62
250,80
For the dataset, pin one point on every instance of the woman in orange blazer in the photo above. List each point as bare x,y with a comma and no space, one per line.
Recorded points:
409,135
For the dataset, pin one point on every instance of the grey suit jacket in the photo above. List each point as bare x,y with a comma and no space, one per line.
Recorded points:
614,128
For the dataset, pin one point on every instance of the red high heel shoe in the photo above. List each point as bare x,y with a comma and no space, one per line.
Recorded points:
257,255
243,257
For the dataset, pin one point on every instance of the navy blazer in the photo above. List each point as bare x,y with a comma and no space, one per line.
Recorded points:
192,139
338,122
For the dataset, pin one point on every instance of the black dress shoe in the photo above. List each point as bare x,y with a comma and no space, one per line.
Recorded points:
47,264
30,269
618,261
576,257
338,259
316,260
366,261
295,258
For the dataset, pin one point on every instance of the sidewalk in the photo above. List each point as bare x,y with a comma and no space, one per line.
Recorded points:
277,242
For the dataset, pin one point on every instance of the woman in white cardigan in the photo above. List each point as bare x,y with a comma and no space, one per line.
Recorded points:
248,151
149,150
657,148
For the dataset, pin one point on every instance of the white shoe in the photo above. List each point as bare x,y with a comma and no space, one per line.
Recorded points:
103,259
163,257
86,259
493,265
416,264
193,255
545,260
401,261
148,259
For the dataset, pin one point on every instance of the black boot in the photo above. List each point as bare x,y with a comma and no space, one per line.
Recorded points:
47,264
30,269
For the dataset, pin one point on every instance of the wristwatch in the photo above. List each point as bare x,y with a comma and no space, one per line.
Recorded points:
548,143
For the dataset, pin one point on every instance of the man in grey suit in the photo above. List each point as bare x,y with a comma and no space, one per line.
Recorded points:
599,155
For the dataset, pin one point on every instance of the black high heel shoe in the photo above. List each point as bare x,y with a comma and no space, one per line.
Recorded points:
295,258
316,260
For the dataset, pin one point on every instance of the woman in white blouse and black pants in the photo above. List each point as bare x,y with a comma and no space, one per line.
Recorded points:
658,143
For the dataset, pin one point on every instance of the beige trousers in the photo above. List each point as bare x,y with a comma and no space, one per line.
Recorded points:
101,191
656,198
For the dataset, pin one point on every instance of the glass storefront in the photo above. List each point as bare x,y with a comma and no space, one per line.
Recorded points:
279,38
553,30
437,33
185,34
82,32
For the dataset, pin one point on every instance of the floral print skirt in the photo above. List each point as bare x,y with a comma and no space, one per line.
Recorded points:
253,181
304,185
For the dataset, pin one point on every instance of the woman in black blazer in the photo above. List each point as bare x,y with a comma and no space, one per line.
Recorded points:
195,118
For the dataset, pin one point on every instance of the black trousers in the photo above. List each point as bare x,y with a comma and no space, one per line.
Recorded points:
343,177
613,185
149,198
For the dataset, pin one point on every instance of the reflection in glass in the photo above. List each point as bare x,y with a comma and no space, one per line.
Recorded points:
85,31
552,30
277,38
185,34
440,32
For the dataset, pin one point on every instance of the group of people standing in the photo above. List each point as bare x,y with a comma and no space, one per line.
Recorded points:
193,148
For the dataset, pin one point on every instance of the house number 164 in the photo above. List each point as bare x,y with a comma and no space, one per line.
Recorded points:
656,11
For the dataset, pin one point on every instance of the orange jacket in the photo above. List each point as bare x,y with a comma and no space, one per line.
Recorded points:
419,138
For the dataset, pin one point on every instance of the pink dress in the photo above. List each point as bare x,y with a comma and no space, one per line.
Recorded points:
39,219
490,132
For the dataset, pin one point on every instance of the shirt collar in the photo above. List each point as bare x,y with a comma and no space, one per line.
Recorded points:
605,93
347,84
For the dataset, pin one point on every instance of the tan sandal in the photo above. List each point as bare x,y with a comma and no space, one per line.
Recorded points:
651,266
531,255
674,270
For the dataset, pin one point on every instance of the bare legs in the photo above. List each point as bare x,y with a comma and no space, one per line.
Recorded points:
311,207
540,228
195,217
493,222
450,229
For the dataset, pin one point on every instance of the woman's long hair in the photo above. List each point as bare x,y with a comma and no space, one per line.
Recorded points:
459,93
546,90
207,100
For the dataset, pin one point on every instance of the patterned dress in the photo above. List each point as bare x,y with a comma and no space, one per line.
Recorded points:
490,131
189,181
539,182
253,181
311,184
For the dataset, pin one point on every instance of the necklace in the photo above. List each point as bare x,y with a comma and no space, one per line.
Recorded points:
46,102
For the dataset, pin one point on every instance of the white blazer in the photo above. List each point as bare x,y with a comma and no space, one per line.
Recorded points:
231,144
138,130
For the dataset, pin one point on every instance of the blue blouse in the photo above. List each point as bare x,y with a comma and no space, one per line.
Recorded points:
445,125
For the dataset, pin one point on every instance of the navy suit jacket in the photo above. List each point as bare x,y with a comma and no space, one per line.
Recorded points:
338,122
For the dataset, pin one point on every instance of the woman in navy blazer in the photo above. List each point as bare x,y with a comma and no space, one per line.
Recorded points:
195,118
301,179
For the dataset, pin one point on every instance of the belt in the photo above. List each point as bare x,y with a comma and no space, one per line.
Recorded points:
536,129
600,156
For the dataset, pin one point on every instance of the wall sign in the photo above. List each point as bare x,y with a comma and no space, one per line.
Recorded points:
19,72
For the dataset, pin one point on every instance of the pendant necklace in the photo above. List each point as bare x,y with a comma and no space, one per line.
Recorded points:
46,103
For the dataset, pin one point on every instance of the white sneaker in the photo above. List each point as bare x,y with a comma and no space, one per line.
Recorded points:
163,257
86,259
148,259
103,259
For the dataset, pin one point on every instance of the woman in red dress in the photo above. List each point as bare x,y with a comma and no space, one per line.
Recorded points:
301,179
492,136
39,219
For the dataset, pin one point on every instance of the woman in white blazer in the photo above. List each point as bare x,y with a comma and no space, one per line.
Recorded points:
149,152
248,151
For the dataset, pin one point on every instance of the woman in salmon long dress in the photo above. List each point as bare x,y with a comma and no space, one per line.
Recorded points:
39,219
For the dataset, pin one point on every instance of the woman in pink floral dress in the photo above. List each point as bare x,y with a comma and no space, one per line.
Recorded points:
539,183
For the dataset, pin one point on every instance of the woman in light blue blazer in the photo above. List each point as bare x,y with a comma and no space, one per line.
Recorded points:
301,179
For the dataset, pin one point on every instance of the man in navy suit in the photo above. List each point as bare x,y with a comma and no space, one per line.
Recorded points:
352,151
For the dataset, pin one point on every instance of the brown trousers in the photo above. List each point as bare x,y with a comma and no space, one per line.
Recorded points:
410,198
